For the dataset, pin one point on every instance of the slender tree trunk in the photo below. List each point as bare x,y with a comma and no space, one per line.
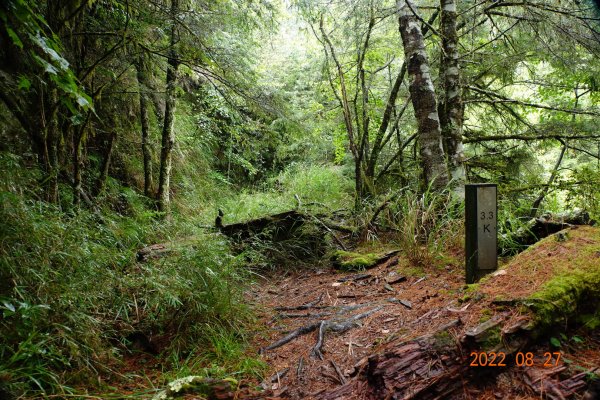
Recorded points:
168,134
51,147
542,195
101,184
343,100
77,165
451,108
433,165
144,120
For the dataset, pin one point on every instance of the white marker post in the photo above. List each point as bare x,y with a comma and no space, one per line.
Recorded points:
481,242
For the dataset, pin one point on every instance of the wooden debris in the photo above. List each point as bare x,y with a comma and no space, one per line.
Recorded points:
420,280
355,277
405,303
301,307
338,372
266,384
546,382
300,368
334,324
398,279
338,327
546,225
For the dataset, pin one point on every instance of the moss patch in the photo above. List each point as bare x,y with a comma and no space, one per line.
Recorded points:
554,279
351,261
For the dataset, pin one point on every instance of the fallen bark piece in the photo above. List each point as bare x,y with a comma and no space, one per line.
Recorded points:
301,307
356,277
405,303
393,281
338,372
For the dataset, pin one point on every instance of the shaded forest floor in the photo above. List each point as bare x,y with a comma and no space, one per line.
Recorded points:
395,302
409,302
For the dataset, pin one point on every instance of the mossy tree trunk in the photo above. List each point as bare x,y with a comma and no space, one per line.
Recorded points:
168,133
145,123
451,108
433,165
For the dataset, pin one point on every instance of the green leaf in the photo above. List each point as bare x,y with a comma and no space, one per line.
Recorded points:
555,342
8,305
15,38
577,339
24,83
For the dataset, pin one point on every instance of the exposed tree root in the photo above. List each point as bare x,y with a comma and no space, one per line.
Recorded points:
333,324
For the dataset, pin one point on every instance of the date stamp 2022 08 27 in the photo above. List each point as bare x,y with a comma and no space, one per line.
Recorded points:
520,359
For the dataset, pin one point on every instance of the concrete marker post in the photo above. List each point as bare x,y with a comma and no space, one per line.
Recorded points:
481,230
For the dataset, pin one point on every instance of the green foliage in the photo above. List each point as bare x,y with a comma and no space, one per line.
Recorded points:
30,32
428,224
71,289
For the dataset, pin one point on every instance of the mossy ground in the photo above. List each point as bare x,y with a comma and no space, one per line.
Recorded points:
553,278
354,261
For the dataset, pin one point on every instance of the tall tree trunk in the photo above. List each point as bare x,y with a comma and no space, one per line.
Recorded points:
51,147
144,120
168,134
542,195
451,108
101,184
77,164
433,165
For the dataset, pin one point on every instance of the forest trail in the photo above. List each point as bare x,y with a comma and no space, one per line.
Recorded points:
405,306
422,293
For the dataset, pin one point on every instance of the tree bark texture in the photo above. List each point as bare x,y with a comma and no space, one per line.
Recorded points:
105,164
451,109
168,133
145,123
542,195
434,170
51,147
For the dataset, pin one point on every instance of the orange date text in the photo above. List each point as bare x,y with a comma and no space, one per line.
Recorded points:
520,359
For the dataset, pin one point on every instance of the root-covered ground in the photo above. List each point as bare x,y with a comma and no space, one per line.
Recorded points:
406,329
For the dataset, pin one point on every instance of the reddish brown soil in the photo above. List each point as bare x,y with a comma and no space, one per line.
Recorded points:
435,302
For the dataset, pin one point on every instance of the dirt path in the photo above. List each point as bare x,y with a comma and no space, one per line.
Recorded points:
408,306
404,305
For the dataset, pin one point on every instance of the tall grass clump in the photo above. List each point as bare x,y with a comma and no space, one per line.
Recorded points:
72,290
427,225
317,186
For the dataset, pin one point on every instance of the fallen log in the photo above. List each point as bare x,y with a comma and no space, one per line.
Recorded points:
281,225
538,228
351,261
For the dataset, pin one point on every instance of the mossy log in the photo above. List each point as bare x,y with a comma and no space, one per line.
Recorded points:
280,226
353,261
538,228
